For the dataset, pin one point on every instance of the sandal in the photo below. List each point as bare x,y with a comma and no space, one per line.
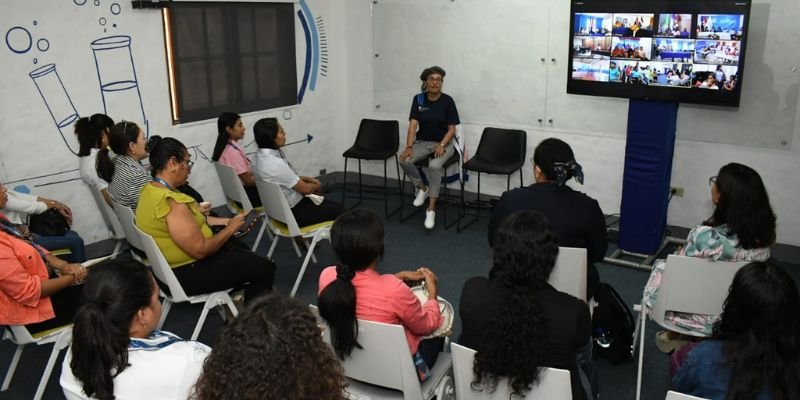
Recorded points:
666,344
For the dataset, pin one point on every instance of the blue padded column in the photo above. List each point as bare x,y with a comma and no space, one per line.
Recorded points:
646,180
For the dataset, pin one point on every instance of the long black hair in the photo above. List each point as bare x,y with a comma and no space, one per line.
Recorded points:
557,162
225,120
162,150
265,130
525,251
744,206
357,240
89,131
114,292
760,328
119,139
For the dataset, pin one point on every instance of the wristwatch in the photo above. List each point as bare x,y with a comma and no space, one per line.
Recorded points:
441,144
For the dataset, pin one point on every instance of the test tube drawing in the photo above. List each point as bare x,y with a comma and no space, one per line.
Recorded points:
116,73
57,101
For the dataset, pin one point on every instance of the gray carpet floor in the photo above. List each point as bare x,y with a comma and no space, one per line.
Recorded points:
454,257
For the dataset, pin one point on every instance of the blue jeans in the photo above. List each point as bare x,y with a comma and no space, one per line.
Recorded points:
70,241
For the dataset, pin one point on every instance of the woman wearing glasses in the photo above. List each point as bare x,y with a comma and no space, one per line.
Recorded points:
431,128
742,228
202,261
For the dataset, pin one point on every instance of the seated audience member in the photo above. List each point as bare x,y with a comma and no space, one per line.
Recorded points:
92,133
18,206
575,217
742,228
30,294
355,289
516,321
203,261
754,352
272,350
228,152
116,351
271,166
126,175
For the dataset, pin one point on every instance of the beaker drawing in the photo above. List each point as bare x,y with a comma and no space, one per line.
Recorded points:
57,101
116,73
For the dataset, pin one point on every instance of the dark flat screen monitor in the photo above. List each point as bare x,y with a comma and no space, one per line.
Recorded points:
675,51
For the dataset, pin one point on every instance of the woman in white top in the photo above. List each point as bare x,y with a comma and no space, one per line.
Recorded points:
271,166
92,133
115,352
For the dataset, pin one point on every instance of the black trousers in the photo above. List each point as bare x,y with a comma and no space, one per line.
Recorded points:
65,305
429,349
307,213
230,267
252,194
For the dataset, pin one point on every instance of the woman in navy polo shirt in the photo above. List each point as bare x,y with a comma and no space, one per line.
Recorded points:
431,128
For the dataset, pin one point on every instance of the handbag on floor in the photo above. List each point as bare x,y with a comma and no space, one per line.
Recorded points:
612,326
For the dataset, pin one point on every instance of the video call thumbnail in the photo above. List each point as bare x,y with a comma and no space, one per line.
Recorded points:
674,25
720,27
592,24
591,47
715,77
587,69
669,49
672,74
630,72
632,48
633,25
717,52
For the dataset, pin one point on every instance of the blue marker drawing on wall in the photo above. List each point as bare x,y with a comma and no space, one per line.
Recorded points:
57,101
119,86
315,44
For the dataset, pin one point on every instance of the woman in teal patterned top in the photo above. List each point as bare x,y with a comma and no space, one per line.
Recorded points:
742,228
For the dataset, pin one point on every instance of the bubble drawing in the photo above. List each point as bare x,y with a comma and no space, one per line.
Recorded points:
19,40
43,45
102,21
116,9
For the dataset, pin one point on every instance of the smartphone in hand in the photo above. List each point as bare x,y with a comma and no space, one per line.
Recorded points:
249,221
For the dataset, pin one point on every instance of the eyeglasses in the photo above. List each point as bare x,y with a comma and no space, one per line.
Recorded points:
712,180
189,162
434,80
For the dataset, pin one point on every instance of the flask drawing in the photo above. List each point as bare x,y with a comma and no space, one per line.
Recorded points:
116,73
57,101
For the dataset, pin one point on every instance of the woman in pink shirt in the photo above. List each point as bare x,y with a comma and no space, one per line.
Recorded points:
228,152
355,289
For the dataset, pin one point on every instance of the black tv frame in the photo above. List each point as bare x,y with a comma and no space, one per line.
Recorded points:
657,92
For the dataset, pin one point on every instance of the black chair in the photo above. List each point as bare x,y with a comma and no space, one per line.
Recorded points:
376,140
453,160
500,152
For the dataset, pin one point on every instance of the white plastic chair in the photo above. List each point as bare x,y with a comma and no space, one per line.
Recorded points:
127,221
570,272
554,383
384,368
19,335
110,218
234,192
680,396
163,273
688,285
283,224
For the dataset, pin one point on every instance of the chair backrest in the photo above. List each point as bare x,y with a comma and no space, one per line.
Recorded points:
276,206
693,285
503,146
570,273
379,135
161,268
126,219
680,396
110,218
554,384
232,188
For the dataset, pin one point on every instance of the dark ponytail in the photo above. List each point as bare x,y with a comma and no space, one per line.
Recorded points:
557,162
89,131
225,120
357,239
119,138
114,292
525,253
162,150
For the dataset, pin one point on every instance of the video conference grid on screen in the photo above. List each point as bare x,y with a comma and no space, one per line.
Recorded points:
658,49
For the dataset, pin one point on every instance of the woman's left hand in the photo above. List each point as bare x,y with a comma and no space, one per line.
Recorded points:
439,152
410,275
63,209
77,270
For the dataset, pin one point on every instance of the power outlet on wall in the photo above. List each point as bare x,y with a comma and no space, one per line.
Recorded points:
676,191
323,171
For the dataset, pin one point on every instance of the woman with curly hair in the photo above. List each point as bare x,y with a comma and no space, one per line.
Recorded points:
754,352
742,228
272,350
516,321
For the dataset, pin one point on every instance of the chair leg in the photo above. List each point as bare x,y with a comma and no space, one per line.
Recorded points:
508,182
642,322
260,234
214,300
165,307
520,177
275,243
344,181
13,366
399,186
48,370
313,256
305,263
477,214
360,184
114,253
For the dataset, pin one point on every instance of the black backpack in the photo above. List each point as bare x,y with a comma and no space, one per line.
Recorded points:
612,326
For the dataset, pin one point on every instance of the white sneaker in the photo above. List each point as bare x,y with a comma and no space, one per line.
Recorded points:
430,219
419,199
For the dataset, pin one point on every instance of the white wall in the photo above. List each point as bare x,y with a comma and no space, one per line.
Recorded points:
32,145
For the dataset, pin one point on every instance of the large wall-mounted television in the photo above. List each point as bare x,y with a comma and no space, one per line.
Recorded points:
675,51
